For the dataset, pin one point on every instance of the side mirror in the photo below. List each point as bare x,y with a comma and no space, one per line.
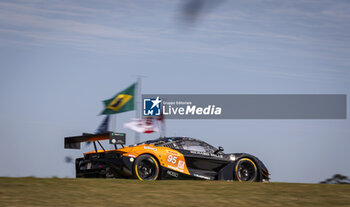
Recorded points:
220,149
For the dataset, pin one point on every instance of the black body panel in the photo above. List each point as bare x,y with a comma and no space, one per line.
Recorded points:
110,163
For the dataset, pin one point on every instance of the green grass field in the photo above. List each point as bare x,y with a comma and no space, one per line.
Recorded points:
118,192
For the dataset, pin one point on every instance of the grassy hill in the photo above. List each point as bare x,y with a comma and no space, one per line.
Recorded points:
117,192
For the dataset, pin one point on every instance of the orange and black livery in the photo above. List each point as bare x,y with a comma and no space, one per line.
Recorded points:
163,158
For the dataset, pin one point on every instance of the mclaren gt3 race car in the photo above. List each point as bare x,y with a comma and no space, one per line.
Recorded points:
164,158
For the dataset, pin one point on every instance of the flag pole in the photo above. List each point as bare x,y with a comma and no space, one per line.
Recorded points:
137,106
115,123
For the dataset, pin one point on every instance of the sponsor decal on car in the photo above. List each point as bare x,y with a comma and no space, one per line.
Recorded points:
151,148
206,154
172,173
173,152
201,176
181,164
175,168
130,155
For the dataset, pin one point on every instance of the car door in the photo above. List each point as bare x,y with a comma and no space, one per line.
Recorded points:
200,156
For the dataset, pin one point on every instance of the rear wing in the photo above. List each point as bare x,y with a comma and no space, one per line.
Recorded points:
74,142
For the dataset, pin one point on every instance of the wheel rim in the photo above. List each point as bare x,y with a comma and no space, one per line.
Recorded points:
246,170
147,169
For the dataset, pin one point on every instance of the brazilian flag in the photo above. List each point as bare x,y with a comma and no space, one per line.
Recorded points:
122,102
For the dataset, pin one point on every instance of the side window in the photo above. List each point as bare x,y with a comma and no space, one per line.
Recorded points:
194,148
194,145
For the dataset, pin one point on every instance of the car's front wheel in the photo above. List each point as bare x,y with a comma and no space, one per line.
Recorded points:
146,167
246,170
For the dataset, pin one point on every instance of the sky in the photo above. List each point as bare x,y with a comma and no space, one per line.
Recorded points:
60,59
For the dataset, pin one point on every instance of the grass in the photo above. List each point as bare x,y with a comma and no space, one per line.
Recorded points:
119,192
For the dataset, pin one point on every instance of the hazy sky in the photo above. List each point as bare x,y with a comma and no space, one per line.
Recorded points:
60,59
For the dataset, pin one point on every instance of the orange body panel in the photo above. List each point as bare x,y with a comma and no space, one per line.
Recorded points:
166,157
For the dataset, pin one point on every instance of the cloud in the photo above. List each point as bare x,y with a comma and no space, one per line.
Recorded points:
23,18
242,30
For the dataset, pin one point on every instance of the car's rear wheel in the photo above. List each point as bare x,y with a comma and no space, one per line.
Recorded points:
246,170
146,167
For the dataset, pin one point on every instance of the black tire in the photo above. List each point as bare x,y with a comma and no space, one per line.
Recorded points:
246,170
146,167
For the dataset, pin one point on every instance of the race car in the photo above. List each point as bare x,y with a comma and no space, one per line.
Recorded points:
164,158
